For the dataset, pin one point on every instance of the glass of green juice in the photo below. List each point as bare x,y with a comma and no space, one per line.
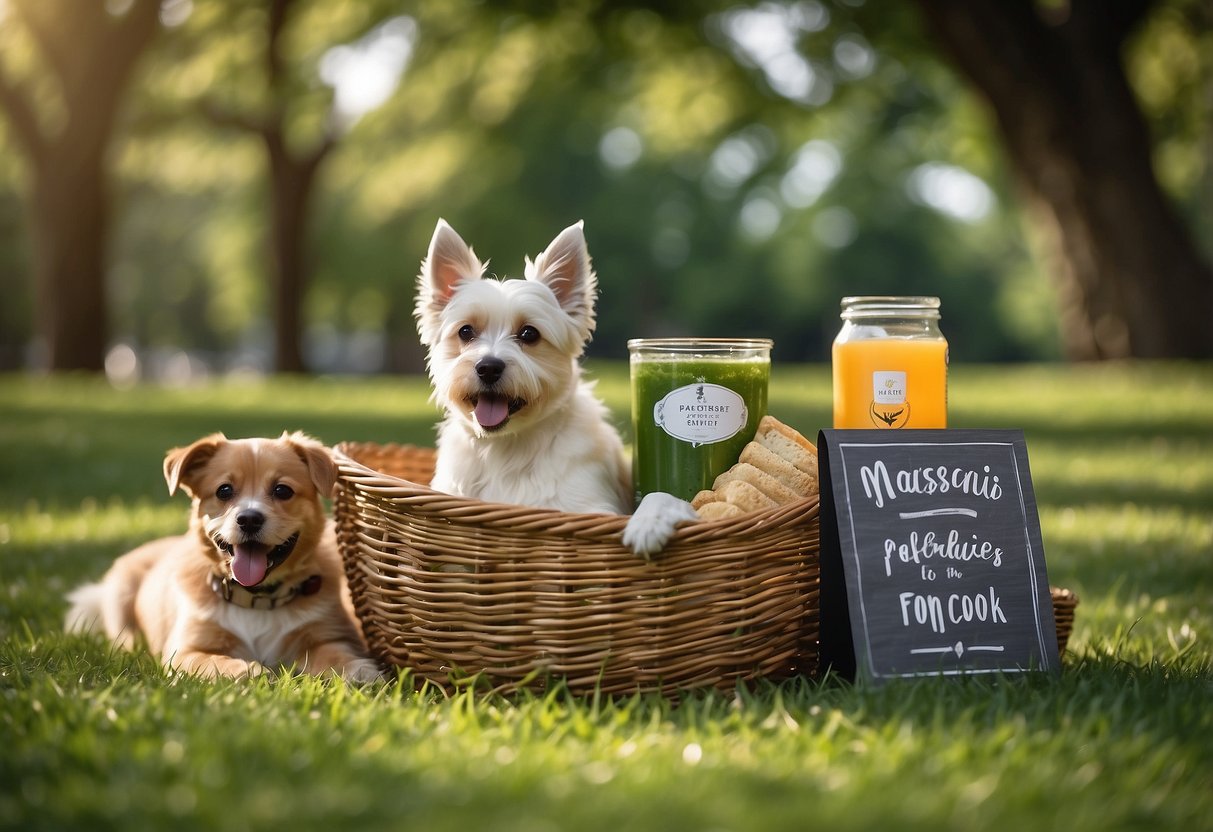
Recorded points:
696,402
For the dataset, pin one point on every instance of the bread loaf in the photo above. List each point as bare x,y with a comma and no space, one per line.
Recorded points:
745,496
719,511
778,467
787,474
764,482
788,444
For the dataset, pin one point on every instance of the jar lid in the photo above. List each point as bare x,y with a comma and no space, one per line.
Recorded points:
890,306
700,345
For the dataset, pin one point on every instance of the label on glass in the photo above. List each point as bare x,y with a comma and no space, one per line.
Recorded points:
889,408
701,413
888,387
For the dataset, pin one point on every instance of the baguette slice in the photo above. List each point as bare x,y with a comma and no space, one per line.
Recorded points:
778,467
745,496
760,479
719,511
775,436
764,459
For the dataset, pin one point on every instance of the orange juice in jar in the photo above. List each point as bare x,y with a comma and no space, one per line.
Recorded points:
890,364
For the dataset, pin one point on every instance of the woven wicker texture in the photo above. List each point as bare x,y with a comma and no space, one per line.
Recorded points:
449,587
1065,603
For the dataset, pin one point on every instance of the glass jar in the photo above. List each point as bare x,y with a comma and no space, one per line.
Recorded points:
890,364
696,402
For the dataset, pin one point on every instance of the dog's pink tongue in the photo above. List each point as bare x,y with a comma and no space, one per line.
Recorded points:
491,410
249,564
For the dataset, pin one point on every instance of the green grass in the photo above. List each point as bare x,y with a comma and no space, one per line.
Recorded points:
91,738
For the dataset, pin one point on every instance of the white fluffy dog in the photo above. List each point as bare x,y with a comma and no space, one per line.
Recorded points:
521,425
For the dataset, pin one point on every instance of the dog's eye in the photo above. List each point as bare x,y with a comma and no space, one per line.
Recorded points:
283,492
466,333
528,335
225,492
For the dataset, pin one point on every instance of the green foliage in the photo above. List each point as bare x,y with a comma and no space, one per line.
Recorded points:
100,739
676,144
1170,66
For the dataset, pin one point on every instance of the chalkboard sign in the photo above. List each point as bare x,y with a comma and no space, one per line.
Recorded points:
932,562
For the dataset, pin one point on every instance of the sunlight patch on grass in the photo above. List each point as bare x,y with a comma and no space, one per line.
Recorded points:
114,521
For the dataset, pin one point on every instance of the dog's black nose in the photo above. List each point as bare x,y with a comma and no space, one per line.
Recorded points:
250,522
489,369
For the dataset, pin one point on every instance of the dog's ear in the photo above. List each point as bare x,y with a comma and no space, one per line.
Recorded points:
181,463
449,262
564,267
317,458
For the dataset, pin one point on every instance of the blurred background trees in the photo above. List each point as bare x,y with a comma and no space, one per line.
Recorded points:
1130,280
278,167
75,65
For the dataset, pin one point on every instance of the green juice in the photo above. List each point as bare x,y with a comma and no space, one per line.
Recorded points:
693,411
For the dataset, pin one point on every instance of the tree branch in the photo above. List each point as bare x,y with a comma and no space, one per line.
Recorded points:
275,68
134,33
91,54
318,153
1115,19
222,116
1003,46
54,48
22,118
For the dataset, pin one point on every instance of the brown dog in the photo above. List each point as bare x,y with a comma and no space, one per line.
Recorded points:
255,583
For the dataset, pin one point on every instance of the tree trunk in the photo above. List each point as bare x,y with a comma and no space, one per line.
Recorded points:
292,182
69,226
1131,282
91,54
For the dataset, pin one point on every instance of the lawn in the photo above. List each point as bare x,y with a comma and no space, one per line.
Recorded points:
1122,462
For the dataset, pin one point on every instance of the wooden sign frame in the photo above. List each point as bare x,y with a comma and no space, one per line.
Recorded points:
932,559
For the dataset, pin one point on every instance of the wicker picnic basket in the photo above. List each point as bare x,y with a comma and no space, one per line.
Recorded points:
455,588
1065,603
450,587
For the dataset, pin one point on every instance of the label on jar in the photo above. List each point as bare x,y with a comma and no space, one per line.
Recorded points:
701,414
888,387
889,407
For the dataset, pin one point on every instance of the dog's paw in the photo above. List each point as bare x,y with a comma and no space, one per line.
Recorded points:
211,666
362,671
254,669
657,517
